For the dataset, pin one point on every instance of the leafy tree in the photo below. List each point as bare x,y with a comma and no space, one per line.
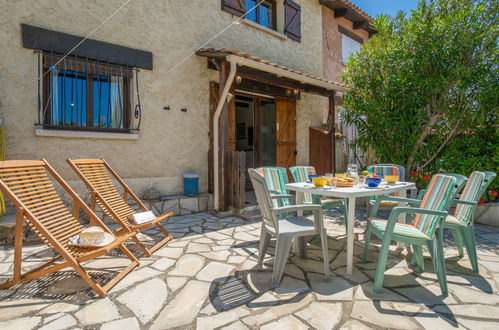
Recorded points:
425,79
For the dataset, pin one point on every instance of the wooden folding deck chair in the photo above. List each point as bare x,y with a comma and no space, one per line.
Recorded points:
28,185
95,175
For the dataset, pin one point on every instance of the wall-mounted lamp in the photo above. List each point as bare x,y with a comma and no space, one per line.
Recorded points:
238,80
296,92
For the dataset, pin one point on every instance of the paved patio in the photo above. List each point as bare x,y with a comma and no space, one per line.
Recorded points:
207,278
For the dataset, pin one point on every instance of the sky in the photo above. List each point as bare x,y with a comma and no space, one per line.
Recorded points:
391,7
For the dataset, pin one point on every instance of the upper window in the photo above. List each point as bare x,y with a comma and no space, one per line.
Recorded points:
86,95
265,14
348,46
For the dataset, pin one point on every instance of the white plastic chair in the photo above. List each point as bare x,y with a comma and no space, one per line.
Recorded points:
285,229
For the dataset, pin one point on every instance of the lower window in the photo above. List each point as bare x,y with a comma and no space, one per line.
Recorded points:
91,98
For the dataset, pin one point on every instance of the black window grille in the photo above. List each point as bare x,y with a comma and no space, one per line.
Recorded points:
86,95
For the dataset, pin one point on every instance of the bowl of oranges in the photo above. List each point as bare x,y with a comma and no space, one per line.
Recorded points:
373,180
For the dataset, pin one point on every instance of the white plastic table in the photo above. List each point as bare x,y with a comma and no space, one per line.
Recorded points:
350,193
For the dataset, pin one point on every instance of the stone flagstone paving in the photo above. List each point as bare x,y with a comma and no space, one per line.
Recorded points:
207,278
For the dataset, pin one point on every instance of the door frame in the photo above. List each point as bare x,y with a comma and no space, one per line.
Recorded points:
257,98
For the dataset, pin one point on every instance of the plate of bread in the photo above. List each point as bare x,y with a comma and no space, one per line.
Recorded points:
342,182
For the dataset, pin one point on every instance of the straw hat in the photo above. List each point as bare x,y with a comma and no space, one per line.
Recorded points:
92,236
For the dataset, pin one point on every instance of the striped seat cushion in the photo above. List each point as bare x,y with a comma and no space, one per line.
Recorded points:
471,193
400,229
436,198
383,170
276,179
300,174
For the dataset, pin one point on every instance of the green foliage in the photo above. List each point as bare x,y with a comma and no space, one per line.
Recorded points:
469,152
425,87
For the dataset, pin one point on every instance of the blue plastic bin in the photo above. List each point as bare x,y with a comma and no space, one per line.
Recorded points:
191,183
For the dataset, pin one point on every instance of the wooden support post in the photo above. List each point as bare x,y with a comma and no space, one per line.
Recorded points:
331,120
237,165
223,169
242,180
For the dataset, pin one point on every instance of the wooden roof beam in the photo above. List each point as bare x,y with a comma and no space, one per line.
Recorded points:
360,25
271,79
340,12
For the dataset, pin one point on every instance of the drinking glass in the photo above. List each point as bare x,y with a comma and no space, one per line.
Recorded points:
329,176
362,180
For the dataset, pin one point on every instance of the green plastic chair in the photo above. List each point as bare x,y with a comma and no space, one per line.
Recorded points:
426,229
460,182
300,174
461,222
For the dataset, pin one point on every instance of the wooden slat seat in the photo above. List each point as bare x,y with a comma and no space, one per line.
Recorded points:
30,187
99,178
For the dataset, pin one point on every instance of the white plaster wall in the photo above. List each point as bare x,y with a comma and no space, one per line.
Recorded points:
170,142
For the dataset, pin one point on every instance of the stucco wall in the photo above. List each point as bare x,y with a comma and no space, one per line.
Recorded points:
332,61
333,64
170,142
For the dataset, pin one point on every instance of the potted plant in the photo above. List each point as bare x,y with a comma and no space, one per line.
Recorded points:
487,212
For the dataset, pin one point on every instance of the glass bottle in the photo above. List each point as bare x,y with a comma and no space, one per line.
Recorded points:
353,172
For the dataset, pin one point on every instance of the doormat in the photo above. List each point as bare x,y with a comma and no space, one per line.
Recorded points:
229,293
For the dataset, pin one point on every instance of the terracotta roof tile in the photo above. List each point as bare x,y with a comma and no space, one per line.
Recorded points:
355,8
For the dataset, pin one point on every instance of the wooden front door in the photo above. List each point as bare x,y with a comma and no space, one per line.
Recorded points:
285,132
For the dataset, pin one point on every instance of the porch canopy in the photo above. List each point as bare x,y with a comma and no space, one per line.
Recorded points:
257,69
231,63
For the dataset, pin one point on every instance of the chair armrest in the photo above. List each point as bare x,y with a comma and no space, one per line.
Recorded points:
411,201
460,201
415,210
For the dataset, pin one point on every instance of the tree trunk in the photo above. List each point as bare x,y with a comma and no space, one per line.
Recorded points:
410,165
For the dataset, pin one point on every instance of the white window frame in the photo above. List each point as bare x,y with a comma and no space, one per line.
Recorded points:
348,46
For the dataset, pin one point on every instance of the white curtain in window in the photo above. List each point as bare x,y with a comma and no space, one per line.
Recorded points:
348,46
117,105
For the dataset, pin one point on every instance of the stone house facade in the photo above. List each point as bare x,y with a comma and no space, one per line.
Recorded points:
173,83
